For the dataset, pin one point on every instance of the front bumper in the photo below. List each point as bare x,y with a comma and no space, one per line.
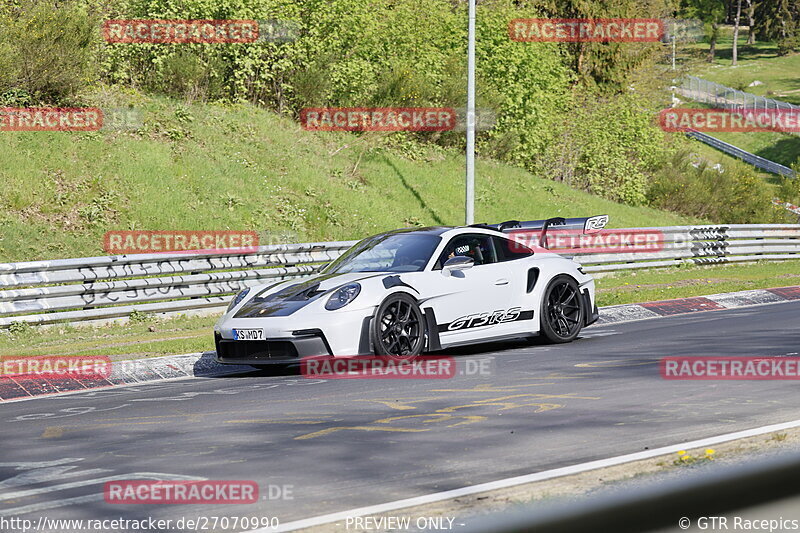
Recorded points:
293,337
277,350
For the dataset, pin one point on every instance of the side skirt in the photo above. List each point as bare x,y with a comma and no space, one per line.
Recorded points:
490,339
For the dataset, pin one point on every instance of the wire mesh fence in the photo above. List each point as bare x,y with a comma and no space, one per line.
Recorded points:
721,96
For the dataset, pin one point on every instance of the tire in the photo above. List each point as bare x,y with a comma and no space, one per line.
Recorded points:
561,310
398,327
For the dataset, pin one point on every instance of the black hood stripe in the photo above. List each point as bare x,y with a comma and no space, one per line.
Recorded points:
292,297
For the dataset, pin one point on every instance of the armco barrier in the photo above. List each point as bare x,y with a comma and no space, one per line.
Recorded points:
99,288
747,157
704,245
96,288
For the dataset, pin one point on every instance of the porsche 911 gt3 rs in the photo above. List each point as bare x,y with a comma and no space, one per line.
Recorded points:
410,291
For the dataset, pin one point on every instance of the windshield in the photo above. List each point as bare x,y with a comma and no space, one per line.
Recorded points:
388,252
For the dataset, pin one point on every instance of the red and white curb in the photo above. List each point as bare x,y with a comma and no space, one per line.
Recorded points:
123,374
713,302
786,205
134,372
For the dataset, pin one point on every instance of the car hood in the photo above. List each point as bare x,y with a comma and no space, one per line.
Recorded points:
292,296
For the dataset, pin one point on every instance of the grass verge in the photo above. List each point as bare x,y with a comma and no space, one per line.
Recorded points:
216,167
775,77
690,280
756,62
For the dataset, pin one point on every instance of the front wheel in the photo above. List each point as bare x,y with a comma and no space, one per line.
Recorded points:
561,311
398,327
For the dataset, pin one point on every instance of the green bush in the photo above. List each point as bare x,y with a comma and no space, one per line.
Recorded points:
789,188
47,49
354,53
610,147
734,195
528,85
788,44
236,71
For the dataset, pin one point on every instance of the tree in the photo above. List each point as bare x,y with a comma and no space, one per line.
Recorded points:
751,21
712,13
606,65
778,20
736,32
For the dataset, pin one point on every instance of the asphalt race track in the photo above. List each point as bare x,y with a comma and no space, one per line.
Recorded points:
340,444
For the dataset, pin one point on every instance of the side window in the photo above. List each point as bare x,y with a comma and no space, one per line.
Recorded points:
508,249
479,247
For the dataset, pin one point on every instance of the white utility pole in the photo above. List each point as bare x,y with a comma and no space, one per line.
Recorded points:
470,188
673,51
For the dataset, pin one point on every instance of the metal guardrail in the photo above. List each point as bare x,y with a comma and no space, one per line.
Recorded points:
703,245
95,288
747,157
99,288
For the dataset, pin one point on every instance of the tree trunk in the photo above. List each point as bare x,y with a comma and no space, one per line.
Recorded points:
751,22
736,32
713,50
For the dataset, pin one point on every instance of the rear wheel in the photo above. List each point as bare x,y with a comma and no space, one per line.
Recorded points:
398,327
561,313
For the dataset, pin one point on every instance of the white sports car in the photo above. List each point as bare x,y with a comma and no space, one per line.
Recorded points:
411,291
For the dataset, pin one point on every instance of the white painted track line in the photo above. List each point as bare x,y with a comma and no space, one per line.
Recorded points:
528,478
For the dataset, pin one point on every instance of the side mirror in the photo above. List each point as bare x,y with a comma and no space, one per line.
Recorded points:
457,263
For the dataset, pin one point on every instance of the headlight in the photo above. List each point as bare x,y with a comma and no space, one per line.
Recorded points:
238,298
343,296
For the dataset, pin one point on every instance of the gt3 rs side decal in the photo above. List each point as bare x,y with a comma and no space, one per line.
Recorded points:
487,319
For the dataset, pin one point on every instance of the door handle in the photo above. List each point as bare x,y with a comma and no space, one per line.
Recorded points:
501,282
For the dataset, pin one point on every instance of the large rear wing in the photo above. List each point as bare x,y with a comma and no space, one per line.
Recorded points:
585,225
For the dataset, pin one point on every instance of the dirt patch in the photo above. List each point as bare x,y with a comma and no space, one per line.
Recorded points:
70,213
70,220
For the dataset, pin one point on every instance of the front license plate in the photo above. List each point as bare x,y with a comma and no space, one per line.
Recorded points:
248,334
